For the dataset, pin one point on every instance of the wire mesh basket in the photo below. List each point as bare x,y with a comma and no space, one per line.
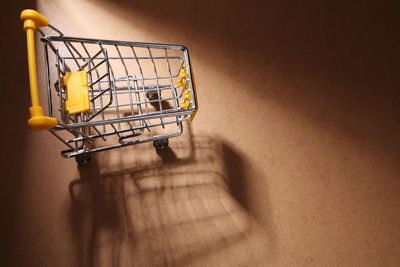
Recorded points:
105,94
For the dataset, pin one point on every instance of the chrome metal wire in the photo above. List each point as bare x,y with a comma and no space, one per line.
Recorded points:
133,91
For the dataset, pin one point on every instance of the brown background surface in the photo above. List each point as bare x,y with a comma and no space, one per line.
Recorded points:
299,119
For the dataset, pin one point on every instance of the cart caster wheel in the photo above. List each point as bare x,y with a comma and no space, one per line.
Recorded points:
160,144
83,158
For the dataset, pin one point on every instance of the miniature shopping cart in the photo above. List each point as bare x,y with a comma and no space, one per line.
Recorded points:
106,94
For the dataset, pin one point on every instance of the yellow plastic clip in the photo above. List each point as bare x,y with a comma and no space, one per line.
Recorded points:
181,82
184,104
187,95
183,73
77,92
188,98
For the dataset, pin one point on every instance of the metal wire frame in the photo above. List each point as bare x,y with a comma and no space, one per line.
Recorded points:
106,90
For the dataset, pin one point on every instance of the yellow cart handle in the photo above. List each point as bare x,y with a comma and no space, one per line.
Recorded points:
33,20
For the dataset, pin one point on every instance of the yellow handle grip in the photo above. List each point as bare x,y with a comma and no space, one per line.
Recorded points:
33,20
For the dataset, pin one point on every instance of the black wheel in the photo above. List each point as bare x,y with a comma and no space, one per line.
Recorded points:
83,158
160,144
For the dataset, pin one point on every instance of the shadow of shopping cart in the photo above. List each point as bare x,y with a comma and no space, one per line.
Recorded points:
171,209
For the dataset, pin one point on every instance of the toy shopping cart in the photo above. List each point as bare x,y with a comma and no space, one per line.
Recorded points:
106,94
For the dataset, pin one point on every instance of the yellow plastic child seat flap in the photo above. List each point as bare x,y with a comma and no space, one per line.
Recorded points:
77,92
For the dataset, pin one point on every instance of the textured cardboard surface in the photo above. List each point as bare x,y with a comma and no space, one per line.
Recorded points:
293,158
